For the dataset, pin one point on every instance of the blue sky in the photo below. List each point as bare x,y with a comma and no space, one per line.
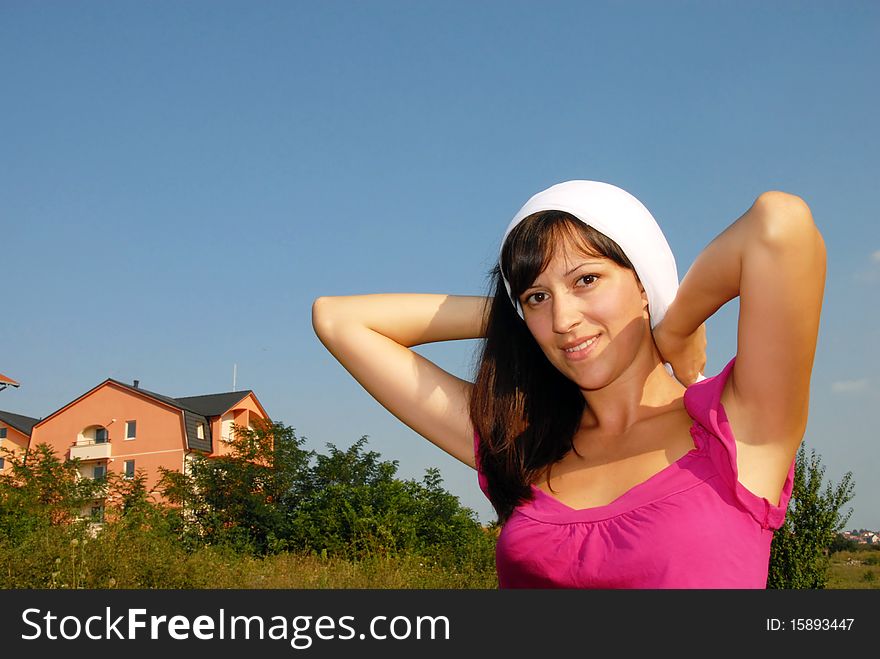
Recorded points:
179,181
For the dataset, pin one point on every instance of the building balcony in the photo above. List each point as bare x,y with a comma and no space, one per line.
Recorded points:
90,450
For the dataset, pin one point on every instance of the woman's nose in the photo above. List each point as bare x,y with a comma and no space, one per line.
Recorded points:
566,315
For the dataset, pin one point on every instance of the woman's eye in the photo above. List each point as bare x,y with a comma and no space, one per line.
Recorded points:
588,279
535,298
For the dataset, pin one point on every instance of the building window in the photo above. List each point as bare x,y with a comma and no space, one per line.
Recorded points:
130,429
100,435
200,431
226,422
100,471
129,468
2,463
98,513
2,433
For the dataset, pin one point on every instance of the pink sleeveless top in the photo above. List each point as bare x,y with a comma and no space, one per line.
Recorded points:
691,525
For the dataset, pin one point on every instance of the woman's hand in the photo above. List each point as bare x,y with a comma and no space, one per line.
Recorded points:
686,353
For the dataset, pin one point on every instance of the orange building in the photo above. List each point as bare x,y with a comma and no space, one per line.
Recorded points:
7,382
15,433
122,428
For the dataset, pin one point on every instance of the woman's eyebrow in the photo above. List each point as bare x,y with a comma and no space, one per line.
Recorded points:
577,267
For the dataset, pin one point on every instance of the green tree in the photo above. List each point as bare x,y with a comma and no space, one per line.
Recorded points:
349,505
242,499
43,529
270,495
42,490
355,506
445,529
799,554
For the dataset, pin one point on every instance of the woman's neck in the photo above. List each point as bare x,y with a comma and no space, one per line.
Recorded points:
643,391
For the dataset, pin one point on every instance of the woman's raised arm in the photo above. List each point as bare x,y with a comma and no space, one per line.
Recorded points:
371,336
773,258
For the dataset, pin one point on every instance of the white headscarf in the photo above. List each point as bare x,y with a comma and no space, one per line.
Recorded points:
623,218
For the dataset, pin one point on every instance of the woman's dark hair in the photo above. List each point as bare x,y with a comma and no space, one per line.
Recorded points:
524,410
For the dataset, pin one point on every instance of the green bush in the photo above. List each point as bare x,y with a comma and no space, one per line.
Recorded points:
355,507
340,520
799,554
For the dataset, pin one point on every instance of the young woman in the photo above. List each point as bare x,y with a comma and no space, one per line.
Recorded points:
612,462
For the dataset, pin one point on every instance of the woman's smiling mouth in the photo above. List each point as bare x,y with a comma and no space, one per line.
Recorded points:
581,350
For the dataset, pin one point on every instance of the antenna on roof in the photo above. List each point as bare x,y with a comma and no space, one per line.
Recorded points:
234,369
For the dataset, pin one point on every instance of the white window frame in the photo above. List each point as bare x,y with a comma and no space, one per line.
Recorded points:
127,426
125,473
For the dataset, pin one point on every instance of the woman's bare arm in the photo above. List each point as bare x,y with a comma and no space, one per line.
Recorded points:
371,336
773,258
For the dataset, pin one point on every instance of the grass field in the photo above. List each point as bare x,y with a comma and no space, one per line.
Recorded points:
303,571
854,570
161,568
848,571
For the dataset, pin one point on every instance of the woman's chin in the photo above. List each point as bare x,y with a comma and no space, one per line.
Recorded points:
588,379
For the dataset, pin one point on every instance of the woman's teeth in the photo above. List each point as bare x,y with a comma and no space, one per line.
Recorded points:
583,345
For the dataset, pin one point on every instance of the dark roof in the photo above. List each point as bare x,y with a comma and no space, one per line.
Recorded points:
212,404
191,423
151,394
21,423
206,405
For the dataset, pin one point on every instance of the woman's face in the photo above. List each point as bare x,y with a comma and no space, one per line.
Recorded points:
588,315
